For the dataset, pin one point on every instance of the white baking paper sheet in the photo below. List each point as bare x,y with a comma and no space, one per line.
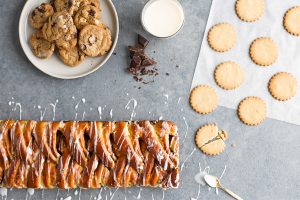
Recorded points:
257,77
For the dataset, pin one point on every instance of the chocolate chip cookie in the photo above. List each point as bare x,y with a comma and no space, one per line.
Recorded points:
87,15
80,3
41,48
60,30
72,57
64,6
95,41
39,15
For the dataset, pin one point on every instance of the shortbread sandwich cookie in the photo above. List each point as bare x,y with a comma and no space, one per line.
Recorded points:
264,51
252,110
210,140
250,10
229,75
283,86
291,21
222,37
204,99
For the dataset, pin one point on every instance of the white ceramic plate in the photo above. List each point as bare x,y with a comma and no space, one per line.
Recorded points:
53,66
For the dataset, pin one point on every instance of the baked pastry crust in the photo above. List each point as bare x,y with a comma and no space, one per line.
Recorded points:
88,154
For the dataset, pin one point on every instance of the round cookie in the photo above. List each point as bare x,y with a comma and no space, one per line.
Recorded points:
41,48
204,138
80,3
252,110
229,75
64,6
222,37
72,57
291,21
95,41
61,30
264,51
250,10
204,99
283,86
39,15
87,15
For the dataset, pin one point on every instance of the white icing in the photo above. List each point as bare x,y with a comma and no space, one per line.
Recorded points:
179,99
111,113
167,96
82,100
112,196
100,112
217,191
83,116
187,128
3,191
30,191
20,106
43,114
53,108
134,106
182,165
197,194
139,195
160,118
99,195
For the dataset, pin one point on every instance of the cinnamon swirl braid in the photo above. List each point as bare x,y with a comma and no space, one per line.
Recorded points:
88,154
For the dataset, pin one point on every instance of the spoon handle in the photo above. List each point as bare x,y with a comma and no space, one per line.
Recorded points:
231,193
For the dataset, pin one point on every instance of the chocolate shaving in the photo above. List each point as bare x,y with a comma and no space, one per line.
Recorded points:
140,60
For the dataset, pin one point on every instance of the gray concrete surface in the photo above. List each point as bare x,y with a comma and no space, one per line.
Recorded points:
264,164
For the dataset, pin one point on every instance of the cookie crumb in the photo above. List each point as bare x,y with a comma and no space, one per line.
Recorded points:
168,74
115,53
233,145
177,66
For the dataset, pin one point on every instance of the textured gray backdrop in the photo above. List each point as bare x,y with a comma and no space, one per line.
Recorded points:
264,164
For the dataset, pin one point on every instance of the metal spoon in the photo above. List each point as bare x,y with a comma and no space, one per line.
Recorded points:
214,182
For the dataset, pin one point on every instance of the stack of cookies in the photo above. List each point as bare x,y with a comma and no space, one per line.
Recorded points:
73,26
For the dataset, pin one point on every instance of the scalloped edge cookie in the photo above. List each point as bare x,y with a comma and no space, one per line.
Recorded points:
245,11
207,133
264,51
252,110
229,75
204,99
222,40
289,25
283,86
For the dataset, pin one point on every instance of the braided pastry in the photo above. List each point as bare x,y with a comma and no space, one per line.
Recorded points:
88,154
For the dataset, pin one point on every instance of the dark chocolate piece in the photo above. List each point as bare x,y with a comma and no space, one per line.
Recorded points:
142,43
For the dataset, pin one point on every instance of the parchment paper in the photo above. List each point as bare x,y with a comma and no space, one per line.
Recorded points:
257,77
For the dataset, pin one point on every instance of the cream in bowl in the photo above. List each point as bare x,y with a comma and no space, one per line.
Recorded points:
162,18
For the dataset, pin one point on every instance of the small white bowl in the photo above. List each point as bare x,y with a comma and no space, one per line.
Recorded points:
143,16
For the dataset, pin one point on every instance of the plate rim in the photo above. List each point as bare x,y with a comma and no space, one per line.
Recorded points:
83,74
